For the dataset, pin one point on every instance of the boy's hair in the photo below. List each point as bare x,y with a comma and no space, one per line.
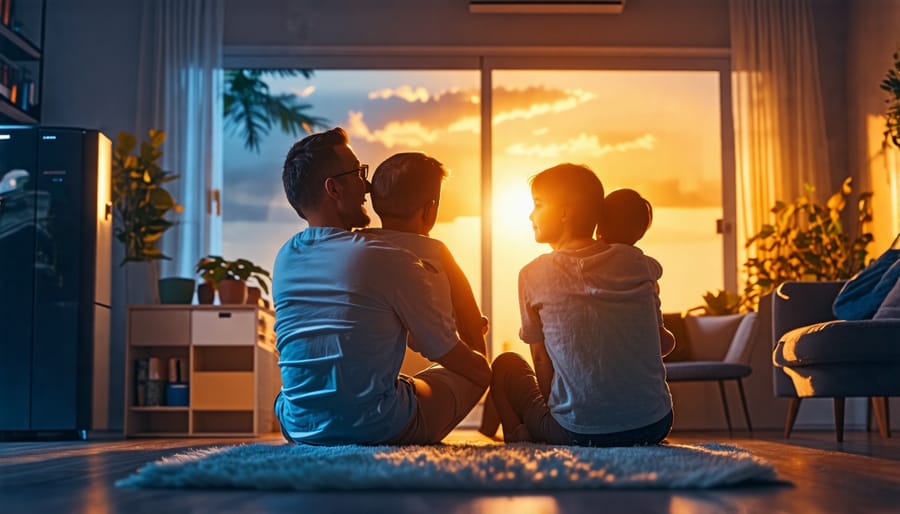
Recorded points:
308,163
627,216
576,187
404,182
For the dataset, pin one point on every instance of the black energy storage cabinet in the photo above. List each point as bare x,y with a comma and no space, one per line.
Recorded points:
55,251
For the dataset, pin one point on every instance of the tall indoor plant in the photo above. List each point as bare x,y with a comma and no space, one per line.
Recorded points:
808,241
141,205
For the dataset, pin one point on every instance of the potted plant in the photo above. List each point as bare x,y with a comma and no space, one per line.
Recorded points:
807,241
140,201
230,277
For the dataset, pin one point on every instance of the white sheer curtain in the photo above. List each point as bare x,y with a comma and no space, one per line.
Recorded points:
179,92
780,140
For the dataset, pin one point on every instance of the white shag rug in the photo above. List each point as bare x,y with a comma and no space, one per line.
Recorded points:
521,466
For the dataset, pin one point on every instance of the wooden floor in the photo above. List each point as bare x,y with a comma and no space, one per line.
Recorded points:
862,474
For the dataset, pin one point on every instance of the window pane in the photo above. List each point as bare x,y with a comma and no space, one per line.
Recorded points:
384,112
654,131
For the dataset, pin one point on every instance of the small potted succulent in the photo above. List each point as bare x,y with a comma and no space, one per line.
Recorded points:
230,278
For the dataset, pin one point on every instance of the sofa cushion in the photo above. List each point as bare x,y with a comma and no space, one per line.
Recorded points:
862,295
890,306
710,336
705,370
840,342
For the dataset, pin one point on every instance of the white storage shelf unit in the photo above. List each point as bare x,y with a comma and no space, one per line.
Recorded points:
229,353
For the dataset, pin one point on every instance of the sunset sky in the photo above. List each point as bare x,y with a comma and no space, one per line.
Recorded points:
655,131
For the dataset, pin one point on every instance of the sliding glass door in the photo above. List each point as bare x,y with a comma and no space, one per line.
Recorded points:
655,125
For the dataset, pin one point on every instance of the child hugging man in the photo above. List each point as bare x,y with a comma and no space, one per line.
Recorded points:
406,193
626,217
589,313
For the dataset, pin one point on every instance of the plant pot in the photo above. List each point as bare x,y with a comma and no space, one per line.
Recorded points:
206,293
253,295
176,290
232,292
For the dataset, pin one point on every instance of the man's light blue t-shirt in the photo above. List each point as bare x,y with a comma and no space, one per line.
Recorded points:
343,303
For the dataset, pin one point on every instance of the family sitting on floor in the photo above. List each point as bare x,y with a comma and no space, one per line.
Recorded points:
348,303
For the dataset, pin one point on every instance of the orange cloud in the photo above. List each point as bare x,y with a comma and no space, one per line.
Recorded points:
412,115
408,93
394,133
528,103
466,124
583,144
303,93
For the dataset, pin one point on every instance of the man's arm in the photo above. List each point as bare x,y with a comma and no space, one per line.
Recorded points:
464,361
469,322
543,368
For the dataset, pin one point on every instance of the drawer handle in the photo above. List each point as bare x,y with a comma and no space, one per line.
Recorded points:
224,314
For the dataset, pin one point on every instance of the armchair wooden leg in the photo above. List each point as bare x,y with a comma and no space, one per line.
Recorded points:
725,405
744,403
839,418
793,408
879,404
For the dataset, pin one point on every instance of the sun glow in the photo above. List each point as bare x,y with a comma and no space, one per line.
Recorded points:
512,208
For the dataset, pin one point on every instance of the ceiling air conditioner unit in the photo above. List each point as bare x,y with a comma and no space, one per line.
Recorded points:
546,6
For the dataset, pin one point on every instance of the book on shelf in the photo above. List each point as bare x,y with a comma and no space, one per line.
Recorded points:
6,11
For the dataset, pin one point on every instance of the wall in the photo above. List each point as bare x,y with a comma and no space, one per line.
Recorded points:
702,23
874,27
831,43
90,64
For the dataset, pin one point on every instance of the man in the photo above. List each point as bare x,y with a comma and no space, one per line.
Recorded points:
345,303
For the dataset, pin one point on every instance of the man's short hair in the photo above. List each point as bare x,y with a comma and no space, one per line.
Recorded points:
576,187
405,182
308,163
627,216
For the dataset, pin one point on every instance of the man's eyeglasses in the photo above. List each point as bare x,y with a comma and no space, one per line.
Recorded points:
362,171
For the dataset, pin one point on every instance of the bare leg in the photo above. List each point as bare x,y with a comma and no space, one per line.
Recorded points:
490,420
509,368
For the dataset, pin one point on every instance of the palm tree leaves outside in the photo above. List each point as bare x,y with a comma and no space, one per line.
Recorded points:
251,109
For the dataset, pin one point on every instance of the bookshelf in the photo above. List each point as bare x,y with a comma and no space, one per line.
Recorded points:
21,60
200,371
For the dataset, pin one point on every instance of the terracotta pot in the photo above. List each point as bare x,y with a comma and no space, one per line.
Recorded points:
232,292
206,293
253,295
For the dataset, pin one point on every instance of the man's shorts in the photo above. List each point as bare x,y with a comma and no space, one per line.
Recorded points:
463,395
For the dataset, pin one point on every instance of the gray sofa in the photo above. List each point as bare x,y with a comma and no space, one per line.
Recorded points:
816,355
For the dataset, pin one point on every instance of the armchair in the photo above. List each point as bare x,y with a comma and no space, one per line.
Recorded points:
816,355
740,331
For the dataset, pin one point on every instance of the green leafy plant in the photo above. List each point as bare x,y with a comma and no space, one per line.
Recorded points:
250,109
719,302
214,268
139,198
891,84
807,241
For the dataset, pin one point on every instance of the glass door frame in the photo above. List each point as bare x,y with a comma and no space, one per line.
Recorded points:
488,59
